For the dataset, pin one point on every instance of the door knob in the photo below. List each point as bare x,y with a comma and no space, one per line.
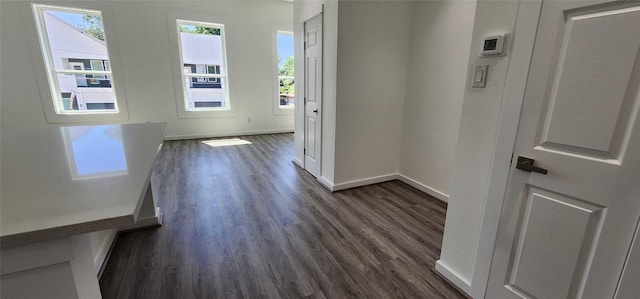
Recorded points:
315,110
526,164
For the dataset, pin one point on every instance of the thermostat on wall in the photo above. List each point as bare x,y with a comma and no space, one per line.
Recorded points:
493,44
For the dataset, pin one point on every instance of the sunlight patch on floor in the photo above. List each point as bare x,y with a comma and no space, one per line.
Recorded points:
225,142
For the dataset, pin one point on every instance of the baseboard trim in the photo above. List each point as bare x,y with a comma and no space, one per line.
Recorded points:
325,183
364,182
298,162
424,188
101,258
109,249
454,278
229,134
104,254
144,223
385,178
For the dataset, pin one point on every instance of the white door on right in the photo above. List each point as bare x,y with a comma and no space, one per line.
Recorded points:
566,234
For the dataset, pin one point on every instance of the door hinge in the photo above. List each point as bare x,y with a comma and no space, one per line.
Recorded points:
304,151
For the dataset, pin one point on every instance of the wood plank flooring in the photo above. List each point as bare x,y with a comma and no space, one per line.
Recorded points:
242,221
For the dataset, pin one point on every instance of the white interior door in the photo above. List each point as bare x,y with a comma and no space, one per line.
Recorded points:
566,234
313,94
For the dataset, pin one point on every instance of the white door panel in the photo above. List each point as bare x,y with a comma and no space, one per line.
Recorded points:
583,109
566,234
313,94
311,135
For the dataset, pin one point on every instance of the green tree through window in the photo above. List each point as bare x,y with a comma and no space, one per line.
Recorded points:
286,85
199,30
92,25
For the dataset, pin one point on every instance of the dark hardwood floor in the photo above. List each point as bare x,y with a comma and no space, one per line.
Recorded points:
243,221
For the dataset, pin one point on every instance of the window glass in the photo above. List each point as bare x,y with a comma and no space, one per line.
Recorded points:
286,87
98,65
75,48
203,60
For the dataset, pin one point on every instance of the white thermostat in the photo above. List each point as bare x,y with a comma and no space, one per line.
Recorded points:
494,44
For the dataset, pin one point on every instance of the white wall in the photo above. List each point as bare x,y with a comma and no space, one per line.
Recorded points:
476,146
20,104
373,46
435,89
392,96
141,33
381,54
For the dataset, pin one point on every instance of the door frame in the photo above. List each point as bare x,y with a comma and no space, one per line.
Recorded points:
302,108
526,26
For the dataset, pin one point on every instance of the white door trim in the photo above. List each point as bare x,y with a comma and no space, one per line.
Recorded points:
312,13
308,13
523,40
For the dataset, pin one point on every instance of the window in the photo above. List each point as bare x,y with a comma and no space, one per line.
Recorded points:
203,69
213,69
203,60
286,87
100,65
74,47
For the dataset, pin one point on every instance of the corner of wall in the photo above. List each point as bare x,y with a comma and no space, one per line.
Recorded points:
453,277
424,188
101,243
476,146
435,91
369,110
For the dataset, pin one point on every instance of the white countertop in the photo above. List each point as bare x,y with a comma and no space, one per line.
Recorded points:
62,181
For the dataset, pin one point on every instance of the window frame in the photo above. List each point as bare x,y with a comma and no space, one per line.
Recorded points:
101,63
216,70
174,20
275,30
47,74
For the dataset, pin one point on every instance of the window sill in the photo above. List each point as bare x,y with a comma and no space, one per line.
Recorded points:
206,113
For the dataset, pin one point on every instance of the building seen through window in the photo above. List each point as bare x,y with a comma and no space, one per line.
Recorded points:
204,66
75,48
